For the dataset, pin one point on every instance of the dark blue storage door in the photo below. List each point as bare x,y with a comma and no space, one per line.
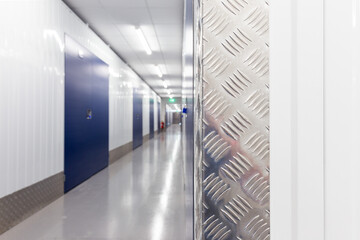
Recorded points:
137,119
86,114
99,124
158,113
151,118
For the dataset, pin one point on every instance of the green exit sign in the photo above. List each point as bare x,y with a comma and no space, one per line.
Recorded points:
172,100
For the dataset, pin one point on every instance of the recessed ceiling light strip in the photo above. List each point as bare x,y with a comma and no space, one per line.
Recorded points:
158,71
143,40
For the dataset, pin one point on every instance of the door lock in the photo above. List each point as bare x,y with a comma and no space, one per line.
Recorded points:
89,114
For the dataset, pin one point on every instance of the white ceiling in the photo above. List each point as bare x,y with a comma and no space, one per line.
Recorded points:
162,24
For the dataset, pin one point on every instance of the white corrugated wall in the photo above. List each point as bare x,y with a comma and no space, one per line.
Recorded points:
32,89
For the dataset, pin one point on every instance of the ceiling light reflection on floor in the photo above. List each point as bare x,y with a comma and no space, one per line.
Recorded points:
158,224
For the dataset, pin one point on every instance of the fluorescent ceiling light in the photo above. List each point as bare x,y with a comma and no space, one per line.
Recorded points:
143,40
114,74
158,70
165,84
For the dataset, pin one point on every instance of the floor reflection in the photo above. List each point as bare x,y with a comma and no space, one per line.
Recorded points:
141,196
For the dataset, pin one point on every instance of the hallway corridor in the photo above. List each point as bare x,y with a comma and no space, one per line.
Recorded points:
141,196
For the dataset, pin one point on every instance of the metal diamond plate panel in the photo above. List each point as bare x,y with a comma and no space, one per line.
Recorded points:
233,94
20,205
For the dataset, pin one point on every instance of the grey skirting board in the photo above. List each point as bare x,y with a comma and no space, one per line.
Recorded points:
119,152
146,137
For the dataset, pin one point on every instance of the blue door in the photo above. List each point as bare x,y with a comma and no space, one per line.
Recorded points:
86,114
137,119
151,118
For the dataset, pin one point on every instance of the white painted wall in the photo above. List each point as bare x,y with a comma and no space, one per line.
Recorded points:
342,119
120,108
32,89
315,132
282,181
163,110
155,97
296,122
146,112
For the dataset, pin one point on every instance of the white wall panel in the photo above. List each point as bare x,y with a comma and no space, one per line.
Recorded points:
162,110
146,112
32,89
120,109
309,82
315,119
296,122
342,119
31,92
281,103
155,112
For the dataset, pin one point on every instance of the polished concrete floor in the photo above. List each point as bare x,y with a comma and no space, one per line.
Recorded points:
141,196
